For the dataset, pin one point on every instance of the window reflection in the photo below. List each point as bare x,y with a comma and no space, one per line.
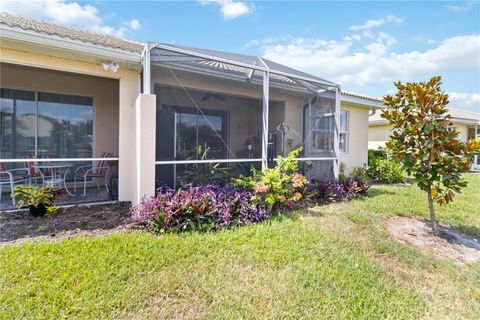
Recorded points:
61,127
65,126
17,123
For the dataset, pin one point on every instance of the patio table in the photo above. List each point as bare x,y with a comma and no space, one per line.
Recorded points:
56,178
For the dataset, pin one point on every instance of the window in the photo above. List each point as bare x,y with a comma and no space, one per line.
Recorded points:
17,123
194,129
322,133
65,126
45,125
343,132
451,128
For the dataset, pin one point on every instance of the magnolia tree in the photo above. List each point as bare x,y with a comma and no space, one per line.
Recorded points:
425,143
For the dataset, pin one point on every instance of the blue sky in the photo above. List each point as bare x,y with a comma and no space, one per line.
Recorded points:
365,46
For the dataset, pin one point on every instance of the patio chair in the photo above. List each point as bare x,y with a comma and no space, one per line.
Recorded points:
10,178
33,173
101,170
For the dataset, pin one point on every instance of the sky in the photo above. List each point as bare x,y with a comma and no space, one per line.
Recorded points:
363,45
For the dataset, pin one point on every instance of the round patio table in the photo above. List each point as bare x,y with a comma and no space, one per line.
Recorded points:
56,178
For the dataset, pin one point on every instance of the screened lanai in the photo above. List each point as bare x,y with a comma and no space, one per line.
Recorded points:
218,114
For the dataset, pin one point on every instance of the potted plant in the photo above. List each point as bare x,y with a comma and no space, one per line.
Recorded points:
37,199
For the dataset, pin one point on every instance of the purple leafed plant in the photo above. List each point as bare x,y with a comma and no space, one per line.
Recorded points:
204,208
328,191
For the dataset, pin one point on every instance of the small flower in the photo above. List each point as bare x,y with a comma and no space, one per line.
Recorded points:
281,197
297,196
298,180
262,189
290,204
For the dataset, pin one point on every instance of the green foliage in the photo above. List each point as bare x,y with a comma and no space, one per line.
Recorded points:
388,171
374,154
277,186
202,173
33,196
52,210
421,141
360,173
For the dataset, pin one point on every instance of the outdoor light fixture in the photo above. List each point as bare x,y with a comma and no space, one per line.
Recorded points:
113,66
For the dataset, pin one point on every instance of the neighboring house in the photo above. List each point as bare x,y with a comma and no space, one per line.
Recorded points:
153,105
466,123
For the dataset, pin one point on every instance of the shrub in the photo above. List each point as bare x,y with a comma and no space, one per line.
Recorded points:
388,171
360,173
374,154
328,191
34,196
201,208
279,186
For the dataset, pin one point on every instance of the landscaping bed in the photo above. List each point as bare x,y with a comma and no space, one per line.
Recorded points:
94,219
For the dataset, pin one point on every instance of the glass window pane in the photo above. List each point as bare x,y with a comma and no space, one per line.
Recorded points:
65,126
17,123
343,142
343,121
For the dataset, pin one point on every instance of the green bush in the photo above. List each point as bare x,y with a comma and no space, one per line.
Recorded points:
360,173
279,186
374,154
388,171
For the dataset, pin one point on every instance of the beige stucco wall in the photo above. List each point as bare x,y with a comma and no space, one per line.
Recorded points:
357,140
128,82
463,131
378,135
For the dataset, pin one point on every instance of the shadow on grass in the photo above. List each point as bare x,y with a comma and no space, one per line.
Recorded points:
373,192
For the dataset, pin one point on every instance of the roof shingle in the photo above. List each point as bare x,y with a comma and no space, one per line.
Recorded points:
14,21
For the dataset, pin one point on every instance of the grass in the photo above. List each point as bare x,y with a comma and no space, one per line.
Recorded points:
331,262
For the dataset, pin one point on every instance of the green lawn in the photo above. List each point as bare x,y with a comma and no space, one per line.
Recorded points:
332,262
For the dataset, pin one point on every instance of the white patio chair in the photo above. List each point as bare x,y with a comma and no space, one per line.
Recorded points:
10,178
101,170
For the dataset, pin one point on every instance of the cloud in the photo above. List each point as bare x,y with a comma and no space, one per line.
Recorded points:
231,9
377,23
135,24
467,6
466,101
84,16
373,61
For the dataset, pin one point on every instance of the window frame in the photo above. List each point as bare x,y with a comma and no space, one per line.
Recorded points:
345,132
223,114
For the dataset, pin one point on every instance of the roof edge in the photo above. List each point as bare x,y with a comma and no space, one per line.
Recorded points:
39,38
362,101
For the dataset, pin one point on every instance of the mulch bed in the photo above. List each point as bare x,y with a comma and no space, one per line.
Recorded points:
459,247
99,219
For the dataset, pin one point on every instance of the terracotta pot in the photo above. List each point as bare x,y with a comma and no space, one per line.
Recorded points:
38,211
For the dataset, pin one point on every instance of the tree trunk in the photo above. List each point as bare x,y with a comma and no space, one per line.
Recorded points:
432,211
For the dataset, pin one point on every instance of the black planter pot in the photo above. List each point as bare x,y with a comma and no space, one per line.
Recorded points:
38,211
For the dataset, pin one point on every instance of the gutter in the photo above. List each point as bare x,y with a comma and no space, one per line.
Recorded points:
43,39
362,102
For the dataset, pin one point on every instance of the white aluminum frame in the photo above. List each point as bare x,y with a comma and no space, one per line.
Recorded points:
146,61
57,160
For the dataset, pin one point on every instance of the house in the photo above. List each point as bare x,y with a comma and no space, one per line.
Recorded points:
167,113
466,123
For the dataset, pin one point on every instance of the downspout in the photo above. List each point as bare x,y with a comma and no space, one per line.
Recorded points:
146,87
